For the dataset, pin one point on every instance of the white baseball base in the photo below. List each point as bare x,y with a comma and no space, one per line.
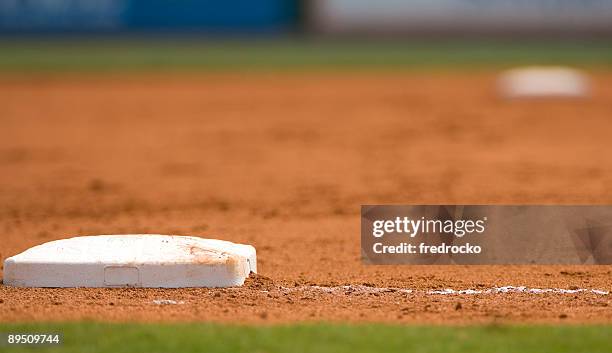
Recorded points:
142,260
543,82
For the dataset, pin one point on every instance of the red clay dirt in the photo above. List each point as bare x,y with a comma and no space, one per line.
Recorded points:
284,162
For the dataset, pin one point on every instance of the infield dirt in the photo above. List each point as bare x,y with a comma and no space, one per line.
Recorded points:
283,162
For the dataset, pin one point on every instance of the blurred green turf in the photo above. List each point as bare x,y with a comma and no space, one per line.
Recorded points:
319,338
60,55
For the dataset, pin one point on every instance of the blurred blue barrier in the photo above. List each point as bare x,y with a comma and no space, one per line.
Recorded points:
228,16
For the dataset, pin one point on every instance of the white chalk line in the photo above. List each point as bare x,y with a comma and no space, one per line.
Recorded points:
361,289
167,302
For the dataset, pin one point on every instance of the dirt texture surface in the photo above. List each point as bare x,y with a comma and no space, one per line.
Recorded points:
283,162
